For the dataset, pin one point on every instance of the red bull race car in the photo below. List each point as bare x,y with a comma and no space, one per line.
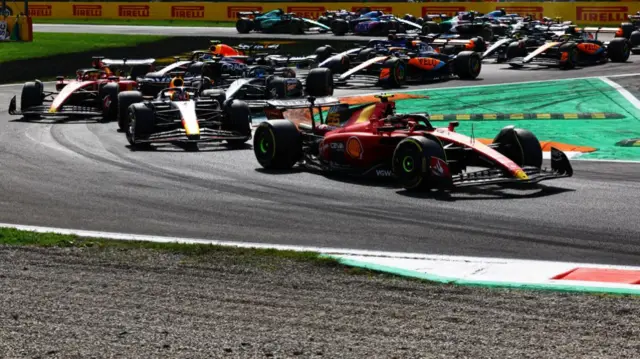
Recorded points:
184,116
374,140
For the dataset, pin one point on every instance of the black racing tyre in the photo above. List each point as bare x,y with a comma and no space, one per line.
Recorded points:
411,163
572,58
634,38
627,29
479,45
142,122
276,88
338,65
409,17
519,145
296,27
468,65
619,49
195,69
238,119
324,20
31,96
215,94
487,33
397,73
339,27
319,82
109,96
366,54
244,26
516,49
430,27
499,30
277,144
324,52
126,99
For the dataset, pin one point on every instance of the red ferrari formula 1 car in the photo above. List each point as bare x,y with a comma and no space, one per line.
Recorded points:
374,140
92,93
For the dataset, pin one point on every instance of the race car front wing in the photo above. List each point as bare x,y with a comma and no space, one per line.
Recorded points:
45,111
180,135
560,167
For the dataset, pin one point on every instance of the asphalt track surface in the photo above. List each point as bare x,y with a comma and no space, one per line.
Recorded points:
82,175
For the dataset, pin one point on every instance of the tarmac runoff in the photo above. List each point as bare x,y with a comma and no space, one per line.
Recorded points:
460,270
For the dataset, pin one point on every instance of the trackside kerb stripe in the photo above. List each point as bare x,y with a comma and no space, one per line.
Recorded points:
480,283
338,253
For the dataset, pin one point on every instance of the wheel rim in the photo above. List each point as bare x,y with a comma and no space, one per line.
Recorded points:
400,72
475,66
408,164
264,146
131,129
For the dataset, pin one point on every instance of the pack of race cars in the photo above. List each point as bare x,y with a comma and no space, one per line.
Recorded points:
370,22
211,96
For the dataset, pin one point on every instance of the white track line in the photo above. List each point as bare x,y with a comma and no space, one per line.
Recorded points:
297,248
626,94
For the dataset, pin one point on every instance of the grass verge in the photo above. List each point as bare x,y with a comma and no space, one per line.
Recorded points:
135,22
49,44
15,237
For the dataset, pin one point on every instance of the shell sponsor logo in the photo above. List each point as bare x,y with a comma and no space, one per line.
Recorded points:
232,11
536,11
600,14
133,10
312,12
354,147
87,10
187,12
437,10
40,10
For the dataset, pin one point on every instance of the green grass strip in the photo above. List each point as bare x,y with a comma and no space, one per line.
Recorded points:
15,237
136,22
480,283
48,44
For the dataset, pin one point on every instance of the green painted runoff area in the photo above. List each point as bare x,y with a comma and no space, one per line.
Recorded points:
562,96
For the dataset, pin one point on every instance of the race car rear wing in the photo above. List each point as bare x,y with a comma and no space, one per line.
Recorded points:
436,17
452,41
601,30
258,47
130,62
304,103
248,13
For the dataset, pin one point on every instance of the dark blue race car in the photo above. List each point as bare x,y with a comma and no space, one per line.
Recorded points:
373,23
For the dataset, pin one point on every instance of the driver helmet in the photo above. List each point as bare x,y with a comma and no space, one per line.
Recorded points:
503,12
181,95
